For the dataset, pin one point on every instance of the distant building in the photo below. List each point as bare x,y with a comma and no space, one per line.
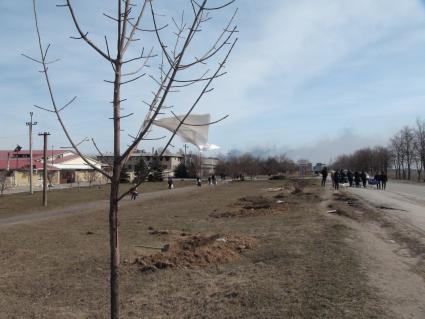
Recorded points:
304,167
169,161
208,166
63,167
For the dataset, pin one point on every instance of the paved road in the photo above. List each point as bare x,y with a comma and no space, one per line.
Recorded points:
402,200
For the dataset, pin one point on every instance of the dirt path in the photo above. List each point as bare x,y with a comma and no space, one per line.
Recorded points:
85,207
388,265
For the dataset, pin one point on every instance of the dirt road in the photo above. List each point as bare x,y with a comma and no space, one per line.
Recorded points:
393,266
406,202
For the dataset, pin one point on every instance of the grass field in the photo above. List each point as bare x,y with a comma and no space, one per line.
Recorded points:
301,267
59,198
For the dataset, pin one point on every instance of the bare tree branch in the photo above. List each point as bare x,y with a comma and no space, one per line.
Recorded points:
84,35
215,8
102,156
134,26
205,89
52,98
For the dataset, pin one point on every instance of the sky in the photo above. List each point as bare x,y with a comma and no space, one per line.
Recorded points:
309,78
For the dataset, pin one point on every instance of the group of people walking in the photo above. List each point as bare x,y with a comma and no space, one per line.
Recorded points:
354,179
212,180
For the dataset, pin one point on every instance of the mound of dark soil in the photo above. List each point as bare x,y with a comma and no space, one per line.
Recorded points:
255,202
197,251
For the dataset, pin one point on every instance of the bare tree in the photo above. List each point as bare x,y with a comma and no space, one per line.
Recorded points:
407,139
419,146
174,63
373,160
398,155
249,165
408,151
286,165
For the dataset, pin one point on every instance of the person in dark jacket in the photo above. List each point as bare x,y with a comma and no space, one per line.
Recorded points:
364,179
377,178
350,177
342,176
337,177
324,173
134,194
357,178
170,182
384,179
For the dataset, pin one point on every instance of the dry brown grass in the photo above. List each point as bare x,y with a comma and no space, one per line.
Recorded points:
300,268
12,204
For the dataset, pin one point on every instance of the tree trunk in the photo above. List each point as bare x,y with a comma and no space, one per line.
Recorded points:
408,171
113,205
114,248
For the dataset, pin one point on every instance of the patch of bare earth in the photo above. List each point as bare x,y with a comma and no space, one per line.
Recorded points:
196,251
250,206
270,202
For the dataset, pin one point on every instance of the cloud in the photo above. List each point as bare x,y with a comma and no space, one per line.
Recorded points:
322,150
301,40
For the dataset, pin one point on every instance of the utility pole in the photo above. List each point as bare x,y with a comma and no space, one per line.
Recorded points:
185,147
45,134
30,124
51,178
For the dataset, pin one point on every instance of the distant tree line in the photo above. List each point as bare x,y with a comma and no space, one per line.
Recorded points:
371,160
405,155
247,165
408,149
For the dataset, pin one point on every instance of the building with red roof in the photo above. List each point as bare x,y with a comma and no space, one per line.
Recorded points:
64,166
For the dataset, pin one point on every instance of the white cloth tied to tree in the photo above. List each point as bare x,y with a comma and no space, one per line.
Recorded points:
208,147
193,130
